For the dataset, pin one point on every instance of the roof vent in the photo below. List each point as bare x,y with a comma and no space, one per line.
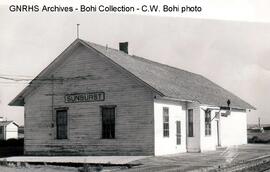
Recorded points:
123,46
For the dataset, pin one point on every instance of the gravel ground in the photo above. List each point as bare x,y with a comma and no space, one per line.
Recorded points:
198,161
53,168
38,169
176,162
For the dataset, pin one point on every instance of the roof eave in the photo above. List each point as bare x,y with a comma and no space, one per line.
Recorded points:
19,99
15,123
176,99
249,107
17,102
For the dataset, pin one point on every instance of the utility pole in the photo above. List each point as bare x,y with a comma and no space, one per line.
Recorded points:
52,77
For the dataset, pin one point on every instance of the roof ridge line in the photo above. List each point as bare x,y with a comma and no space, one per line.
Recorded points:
139,57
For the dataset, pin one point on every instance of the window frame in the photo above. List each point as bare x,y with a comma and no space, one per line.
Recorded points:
101,114
166,122
2,130
57,125
207,123
190,123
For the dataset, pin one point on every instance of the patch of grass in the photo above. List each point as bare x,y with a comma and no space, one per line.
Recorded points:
11,147
3,163
87,168
258,137
11,142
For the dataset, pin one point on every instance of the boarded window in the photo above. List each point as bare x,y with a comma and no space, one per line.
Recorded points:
108,122
190,123
61,124
166,131
207,122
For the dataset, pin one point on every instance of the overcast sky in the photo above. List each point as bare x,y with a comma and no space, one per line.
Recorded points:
233,54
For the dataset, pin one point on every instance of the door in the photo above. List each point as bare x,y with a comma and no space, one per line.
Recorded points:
178,132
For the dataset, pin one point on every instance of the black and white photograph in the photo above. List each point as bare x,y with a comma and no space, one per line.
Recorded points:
127,87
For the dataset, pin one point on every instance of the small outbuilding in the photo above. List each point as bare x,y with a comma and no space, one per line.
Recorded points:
8,130
95,100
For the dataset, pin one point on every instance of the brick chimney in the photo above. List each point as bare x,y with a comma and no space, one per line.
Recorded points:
123,46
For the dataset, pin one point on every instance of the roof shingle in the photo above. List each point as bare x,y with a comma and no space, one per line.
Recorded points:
173,82
169,81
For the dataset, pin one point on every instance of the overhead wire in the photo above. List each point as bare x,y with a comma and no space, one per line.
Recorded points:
16,79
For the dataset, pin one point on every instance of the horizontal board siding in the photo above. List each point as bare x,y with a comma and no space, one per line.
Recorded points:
134,112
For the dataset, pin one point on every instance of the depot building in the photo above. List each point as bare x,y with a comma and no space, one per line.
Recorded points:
94,100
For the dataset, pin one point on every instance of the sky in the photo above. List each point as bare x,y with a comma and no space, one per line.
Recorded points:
231,50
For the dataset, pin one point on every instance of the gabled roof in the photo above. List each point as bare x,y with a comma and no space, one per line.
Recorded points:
5,123
168,81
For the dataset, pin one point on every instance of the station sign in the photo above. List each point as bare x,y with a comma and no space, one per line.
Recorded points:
85,97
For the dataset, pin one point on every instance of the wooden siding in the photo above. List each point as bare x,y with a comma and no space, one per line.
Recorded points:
134,130
193,143
177,112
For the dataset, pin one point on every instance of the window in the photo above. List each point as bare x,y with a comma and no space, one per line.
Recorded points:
61,124
108,122
178,132
166,132
1,129
208,123
190,123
